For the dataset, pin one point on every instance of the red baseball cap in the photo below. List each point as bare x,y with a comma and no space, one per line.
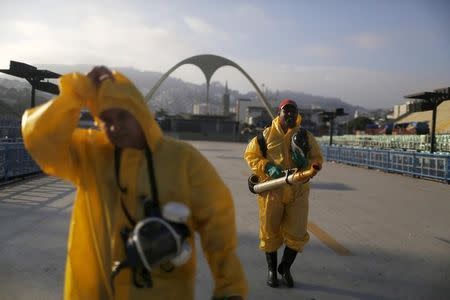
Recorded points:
285,102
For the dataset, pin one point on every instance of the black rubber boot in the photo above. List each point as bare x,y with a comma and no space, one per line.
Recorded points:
285,266
272,279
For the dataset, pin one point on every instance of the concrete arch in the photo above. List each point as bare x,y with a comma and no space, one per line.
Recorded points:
209,64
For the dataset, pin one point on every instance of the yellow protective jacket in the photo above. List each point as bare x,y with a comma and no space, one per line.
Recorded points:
278,149
85,157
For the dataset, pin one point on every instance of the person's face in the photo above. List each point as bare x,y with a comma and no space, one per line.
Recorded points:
288,116
122,129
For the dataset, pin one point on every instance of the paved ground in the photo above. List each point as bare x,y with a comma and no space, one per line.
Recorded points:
373,235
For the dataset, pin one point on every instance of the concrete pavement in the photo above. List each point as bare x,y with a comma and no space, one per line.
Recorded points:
374,235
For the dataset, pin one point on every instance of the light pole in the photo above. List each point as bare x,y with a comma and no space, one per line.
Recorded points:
329,116
34,77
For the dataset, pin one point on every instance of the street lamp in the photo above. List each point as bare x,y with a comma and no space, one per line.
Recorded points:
433,99
34,77
329,116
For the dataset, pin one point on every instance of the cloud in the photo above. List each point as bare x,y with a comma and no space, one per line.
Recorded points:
319,51
253,17
97,40
368,41
198,26
358,86
251,11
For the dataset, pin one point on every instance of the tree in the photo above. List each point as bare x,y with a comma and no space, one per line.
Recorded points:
359,123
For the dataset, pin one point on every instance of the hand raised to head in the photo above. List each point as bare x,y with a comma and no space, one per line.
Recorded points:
98,74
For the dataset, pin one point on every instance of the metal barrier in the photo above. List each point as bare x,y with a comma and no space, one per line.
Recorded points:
15,161
420,164
388,142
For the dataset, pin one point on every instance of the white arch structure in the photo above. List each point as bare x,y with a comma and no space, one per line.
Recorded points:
209,64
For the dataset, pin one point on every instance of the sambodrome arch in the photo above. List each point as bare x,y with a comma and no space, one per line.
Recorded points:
209,64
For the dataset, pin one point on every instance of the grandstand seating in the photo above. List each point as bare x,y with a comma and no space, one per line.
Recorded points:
404,142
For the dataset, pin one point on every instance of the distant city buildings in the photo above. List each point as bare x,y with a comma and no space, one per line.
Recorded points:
409,106
200,109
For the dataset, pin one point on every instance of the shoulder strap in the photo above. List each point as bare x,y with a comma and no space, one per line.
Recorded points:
262,143
153,206
117,154
303,134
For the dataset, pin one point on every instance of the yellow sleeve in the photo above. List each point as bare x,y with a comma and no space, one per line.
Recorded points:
49,131
314,155
214,219
254,158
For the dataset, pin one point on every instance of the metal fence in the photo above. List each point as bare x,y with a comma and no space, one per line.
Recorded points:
419,164
400,142
15,161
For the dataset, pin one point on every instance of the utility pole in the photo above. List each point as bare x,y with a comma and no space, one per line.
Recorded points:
329,116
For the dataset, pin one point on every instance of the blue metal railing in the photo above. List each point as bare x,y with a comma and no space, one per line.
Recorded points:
420,164
15,161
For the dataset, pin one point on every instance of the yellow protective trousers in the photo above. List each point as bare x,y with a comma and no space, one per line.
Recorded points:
283,222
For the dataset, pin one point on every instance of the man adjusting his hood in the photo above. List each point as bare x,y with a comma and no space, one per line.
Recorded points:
126,173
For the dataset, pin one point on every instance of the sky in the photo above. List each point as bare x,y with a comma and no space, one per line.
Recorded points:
368,53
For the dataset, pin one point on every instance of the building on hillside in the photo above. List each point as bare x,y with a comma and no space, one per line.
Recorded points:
200,109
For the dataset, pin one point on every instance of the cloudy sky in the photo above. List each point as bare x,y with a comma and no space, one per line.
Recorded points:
368,53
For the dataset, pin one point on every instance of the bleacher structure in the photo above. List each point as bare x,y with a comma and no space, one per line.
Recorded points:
419,143
405,154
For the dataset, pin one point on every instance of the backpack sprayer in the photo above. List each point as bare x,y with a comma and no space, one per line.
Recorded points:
292,176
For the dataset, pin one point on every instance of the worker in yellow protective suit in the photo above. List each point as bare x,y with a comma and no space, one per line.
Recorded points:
107,203
283,212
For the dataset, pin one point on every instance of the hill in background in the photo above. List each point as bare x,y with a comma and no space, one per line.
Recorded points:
174,95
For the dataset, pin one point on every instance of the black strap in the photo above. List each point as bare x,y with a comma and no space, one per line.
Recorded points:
303,135
262,143
154,207
152,180
127,214
117,154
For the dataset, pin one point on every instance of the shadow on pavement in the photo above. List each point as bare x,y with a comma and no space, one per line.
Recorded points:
368,275
331,186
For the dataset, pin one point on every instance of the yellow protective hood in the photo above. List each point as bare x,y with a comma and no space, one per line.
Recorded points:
122,93
276,123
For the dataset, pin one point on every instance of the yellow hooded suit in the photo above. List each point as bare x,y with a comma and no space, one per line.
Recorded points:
283,213
86,158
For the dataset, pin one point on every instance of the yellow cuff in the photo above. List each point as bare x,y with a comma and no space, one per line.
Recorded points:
79,86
